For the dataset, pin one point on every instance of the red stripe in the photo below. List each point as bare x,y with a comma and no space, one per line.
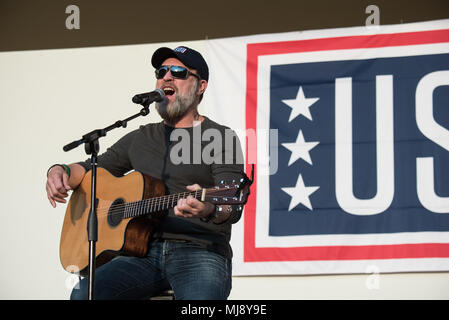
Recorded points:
401,251
350,42
251,123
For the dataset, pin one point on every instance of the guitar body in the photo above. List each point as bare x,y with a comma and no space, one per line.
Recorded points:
116,236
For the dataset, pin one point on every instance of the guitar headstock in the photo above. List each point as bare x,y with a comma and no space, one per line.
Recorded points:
233,193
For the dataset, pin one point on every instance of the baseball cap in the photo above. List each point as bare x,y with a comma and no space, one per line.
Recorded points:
191,58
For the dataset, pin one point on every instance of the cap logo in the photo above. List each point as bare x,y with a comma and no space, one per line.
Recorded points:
180,49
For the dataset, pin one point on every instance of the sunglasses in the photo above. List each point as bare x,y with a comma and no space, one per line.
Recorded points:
177,72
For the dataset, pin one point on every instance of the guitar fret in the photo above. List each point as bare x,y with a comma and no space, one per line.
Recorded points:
145,205
148,206
124,211
135,210
127,212
135,207
167,202
142,209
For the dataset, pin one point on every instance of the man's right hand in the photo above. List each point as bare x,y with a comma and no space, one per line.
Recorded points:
57,185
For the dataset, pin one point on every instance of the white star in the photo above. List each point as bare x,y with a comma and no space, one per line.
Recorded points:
300,149
300,194
300,105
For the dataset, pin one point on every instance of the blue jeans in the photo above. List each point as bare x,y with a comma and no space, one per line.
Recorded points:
191,271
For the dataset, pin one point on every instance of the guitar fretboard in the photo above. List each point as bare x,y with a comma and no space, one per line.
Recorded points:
146,206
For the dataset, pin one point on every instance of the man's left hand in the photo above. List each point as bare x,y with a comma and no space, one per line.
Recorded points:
193,208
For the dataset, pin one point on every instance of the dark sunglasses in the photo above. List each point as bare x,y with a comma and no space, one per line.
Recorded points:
177,72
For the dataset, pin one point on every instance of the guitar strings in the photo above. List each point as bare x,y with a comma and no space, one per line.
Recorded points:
159,202
145,206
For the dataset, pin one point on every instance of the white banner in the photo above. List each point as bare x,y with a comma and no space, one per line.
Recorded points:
348,130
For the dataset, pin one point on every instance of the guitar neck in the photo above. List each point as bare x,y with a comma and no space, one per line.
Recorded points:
147,206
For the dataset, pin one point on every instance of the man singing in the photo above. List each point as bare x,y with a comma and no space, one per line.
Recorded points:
189,250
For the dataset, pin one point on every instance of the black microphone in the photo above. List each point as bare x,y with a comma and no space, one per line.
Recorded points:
146,98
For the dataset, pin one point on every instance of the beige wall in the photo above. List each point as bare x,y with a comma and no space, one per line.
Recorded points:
49,98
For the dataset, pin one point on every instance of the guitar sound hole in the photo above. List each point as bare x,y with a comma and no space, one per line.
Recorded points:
115,213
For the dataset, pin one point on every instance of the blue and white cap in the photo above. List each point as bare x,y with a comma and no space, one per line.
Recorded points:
191,58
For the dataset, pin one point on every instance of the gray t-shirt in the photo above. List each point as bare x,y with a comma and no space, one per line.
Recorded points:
205,154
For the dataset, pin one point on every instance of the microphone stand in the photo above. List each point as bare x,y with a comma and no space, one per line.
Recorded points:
92,148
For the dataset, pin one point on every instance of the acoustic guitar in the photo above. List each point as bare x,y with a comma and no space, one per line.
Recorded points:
128,208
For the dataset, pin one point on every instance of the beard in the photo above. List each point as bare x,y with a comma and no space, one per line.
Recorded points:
173,112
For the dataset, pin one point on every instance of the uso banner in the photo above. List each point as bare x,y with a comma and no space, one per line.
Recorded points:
349,133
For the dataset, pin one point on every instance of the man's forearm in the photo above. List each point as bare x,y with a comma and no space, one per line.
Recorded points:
77,173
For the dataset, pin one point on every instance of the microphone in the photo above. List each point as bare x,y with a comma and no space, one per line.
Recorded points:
148,97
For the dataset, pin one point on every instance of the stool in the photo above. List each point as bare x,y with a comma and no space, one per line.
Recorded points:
165,295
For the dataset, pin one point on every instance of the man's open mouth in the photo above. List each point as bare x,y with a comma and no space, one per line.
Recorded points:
169,91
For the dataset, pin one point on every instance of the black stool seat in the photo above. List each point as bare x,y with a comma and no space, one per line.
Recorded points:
165,295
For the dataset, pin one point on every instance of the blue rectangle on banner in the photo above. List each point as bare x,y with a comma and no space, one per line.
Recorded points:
303,106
